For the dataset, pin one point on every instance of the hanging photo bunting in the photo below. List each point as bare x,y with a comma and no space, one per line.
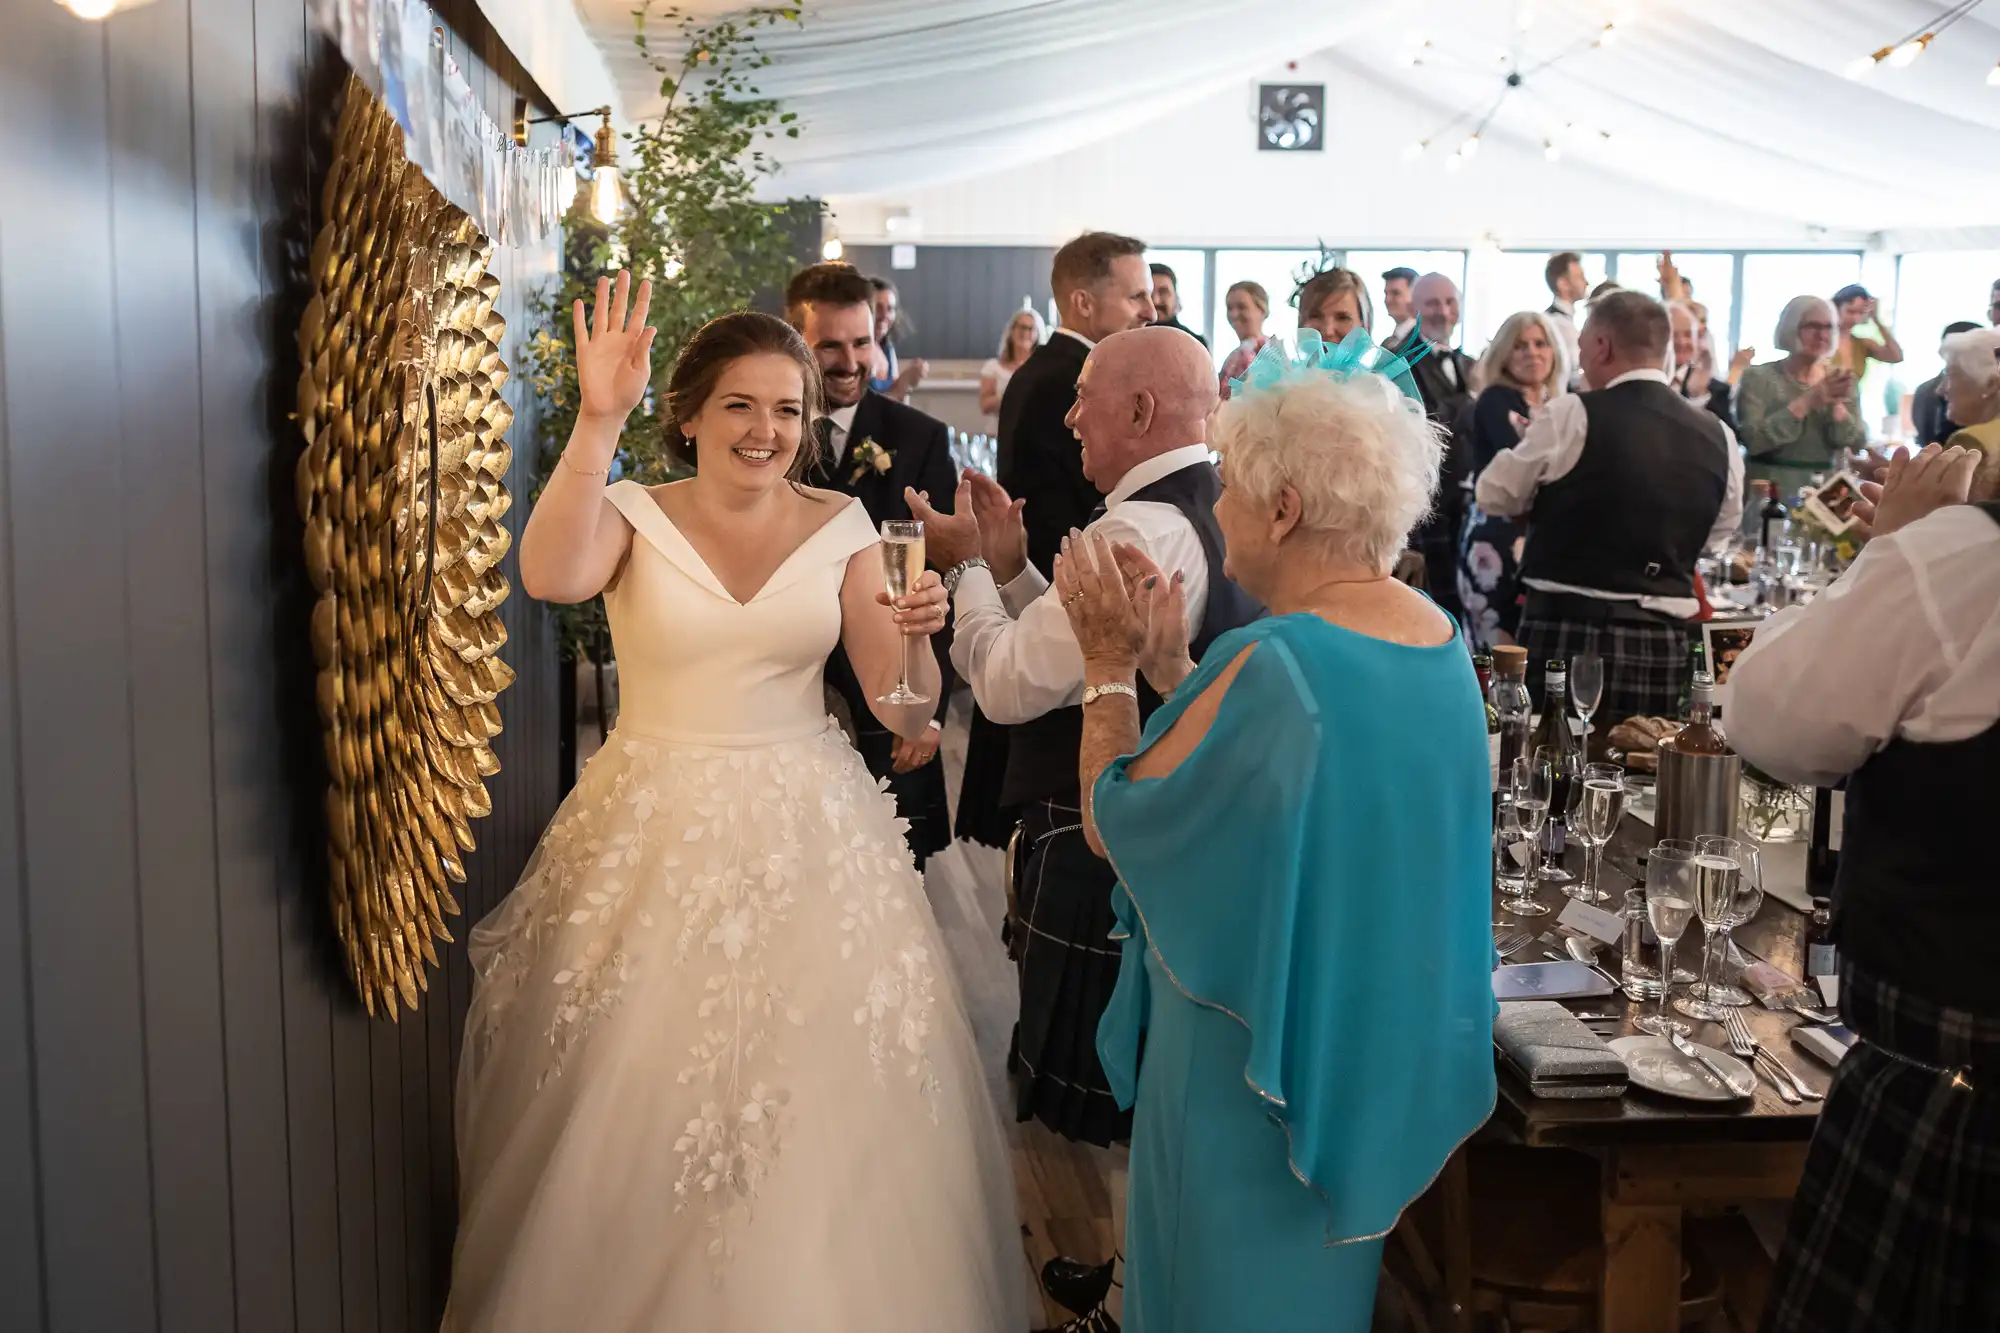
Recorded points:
515,195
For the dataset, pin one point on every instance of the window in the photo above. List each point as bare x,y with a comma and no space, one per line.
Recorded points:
1372,264
1191,278
1770,280
1934,290
1711,275
1505,282
1276,271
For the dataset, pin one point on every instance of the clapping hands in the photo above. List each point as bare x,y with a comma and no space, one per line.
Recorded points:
1125,612
1914,486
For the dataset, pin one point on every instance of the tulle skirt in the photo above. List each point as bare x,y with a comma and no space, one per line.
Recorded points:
717,1075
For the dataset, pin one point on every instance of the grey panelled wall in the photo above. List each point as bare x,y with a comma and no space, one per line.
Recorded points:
958,298
199,1131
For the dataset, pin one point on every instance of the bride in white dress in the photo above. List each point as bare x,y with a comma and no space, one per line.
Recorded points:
717,1077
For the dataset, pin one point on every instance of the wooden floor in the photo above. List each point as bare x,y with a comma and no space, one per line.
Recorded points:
1065,1205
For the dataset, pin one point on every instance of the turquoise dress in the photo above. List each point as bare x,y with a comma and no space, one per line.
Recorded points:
1304,1013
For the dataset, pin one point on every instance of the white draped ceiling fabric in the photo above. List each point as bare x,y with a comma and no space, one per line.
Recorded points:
1736,111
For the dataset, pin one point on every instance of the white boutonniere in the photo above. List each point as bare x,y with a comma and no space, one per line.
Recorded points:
870,457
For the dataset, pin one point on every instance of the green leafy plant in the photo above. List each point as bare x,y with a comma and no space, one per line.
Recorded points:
692,224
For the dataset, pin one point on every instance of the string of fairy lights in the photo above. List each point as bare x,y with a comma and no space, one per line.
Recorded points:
1903,52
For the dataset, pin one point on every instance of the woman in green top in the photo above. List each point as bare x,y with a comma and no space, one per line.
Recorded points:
1795,415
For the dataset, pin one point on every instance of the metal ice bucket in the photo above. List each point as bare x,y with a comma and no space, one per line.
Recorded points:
1698,793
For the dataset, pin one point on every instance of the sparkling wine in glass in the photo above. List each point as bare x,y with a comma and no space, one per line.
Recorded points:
1600,804
1718,876
902,567
1670,904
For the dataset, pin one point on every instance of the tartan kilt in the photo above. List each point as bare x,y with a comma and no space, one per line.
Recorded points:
1896,1227
1645,654
1061,933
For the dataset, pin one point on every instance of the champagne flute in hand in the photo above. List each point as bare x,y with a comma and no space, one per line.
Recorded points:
902,566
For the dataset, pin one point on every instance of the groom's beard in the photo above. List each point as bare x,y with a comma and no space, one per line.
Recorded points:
844,387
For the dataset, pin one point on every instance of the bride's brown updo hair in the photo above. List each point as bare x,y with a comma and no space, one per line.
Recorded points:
706,355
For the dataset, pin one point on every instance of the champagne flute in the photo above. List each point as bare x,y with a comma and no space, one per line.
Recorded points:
1749,900
1669,906
1586,688
902,567
1600,800
1550,775
1718,897
1514,851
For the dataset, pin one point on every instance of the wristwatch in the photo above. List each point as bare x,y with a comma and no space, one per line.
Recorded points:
1092,693
957,572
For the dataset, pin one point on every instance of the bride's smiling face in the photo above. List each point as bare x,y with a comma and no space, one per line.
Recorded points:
748,430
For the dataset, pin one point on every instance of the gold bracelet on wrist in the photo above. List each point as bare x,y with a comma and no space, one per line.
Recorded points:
584,472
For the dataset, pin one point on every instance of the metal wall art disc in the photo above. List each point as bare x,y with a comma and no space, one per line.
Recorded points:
1291,117
401,489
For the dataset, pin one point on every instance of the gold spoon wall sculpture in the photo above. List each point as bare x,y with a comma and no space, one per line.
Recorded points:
401,486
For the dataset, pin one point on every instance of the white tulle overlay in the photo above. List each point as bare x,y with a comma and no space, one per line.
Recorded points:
716,1074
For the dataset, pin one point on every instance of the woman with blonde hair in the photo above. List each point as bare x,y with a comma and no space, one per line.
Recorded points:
1523,369
1023,334
1247,306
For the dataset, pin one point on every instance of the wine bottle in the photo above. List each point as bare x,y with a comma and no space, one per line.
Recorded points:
1697,663
1774,522
1482,667
1822,955
1701,734
1823,847
1510,703
1556,731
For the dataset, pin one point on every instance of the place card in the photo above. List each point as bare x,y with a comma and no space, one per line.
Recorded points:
1582,917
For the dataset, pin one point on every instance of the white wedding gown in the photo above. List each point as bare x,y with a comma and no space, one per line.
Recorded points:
717,1077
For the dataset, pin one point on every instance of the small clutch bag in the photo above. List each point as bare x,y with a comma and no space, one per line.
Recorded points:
1555,1055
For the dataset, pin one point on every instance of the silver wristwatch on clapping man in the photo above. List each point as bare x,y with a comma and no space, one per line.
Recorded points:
957,572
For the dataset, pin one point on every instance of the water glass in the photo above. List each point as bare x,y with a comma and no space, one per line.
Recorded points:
1638,977
1669,906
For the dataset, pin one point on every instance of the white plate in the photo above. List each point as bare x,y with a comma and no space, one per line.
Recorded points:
1657,1067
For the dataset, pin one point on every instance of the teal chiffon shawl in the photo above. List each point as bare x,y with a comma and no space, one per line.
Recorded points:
1319,869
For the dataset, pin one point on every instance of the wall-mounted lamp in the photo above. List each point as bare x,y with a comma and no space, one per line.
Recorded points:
606,199
97,10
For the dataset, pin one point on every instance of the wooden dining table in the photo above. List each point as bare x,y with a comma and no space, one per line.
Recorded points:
1663,1156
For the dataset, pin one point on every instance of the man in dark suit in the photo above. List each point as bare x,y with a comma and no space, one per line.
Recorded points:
1167,302
1102,287
1444,379
874,448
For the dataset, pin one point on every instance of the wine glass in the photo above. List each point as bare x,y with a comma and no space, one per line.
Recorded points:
1721,894
1687,847
902,566
1715,990
1586,687
1549,775
1669,907
1599,796
1514,838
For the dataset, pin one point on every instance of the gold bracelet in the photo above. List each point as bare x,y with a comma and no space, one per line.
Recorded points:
564,461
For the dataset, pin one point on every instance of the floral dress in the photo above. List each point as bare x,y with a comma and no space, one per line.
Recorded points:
1488,571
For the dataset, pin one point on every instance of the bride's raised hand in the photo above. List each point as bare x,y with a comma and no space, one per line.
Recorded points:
614,350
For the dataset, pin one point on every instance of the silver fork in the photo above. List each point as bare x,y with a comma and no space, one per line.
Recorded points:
1743,1042
1510,940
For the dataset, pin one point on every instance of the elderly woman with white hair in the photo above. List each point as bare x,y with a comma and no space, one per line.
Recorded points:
1797,414
1315,787
1972,394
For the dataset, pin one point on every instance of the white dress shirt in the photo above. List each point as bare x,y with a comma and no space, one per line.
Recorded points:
1904,644
1402,329
1548,450
1562,314
1014,645
1069,332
